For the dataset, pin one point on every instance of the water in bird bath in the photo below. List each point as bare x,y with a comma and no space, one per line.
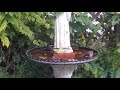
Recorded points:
81,55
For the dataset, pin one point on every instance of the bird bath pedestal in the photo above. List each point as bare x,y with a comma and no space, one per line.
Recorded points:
63,71
63,57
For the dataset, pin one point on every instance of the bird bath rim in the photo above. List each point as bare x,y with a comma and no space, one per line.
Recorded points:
61,62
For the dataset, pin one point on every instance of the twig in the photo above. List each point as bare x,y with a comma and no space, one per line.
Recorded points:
99,39
8,66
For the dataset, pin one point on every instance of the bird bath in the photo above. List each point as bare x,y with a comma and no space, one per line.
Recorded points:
63,57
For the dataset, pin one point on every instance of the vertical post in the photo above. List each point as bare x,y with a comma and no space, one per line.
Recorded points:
62,33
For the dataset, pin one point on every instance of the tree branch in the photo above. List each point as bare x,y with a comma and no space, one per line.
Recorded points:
8,66
99,39
94,16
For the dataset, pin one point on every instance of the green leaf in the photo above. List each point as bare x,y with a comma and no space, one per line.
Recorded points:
118,44
117,73
3,25
118,50
11,13
95,71
1,17
87,67
114,22
5,41
47,26
22,28
3,75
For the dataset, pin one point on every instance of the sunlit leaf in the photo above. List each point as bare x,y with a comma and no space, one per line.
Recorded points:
5,41
3,25
118,50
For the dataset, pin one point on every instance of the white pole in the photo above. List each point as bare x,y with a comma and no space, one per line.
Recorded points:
62,33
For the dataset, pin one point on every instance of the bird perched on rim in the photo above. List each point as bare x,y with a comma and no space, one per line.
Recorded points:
48,48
